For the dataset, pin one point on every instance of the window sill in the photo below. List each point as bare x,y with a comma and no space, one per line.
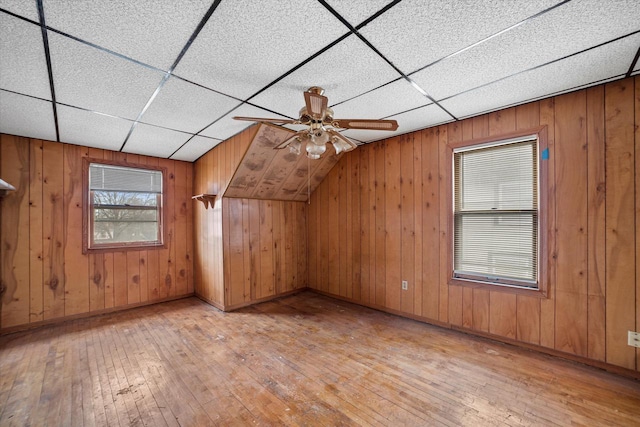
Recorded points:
124,248
536,293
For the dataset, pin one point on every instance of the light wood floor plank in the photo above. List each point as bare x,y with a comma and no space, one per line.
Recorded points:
300,360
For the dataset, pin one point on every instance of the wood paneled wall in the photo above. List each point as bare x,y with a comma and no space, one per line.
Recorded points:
45,276
381,217
246,250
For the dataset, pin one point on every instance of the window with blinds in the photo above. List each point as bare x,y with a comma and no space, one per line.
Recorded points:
496,213
125,206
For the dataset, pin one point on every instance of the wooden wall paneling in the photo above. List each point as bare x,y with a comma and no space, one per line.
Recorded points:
332,223
14,251
380,262
53,229
313,239
571,220
596,307
408,236
254,248
417,222
354,227
133,258
636,82
76,263
454,134
226,251
393,224
528,307
154,277
246,250
323,237
143,267
36,256
182,198
467,292
364,225
620,232
302,242
344,223
443,215
166,256
267,287
96,262
217,262
502,307
190,229
547,305
278,246
430,208
120,281
295,238
235,252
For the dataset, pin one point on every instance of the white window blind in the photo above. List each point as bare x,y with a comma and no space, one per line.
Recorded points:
496,213
118,178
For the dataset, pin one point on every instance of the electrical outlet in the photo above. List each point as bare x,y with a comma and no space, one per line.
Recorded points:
634,339
405,286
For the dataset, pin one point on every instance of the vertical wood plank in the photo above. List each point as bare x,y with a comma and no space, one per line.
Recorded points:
408,246
254,248
366,219
278,259
235,254
380,234
182,198
444,177
620,231
332,221
246,250
393,218
431,223
454,134
36,255
266,249
418,188
190,228
636,82
133,277
467,293
166,256
355,228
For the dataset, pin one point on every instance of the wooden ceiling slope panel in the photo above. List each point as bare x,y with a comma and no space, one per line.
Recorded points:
270,174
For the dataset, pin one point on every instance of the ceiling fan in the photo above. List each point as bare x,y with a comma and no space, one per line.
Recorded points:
322,126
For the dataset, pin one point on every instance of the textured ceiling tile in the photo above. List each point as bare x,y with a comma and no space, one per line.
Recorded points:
27,9
410,121
388,100
89,78
415,33
248,44
571,28
24,116
595,65
91,129
24,67
153,32
154,141
194,148
357,11
346,70
184,106
226,127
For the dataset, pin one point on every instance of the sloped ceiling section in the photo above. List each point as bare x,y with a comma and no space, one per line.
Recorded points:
272,174
165,78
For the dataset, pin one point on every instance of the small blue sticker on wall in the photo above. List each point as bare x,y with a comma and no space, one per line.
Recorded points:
545,154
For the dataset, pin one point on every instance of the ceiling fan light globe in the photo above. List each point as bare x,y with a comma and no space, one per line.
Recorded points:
315,150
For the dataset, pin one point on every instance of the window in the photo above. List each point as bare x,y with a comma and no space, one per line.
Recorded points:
124,207
496,213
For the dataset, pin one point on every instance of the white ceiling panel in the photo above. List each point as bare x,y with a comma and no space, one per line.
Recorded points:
415,33
89,78
388,100
551,36
420,118
357,11
24,67
592,66
194,148
346,70
25,116
83,127
184,106
226,127
154,141
153,32
27,9
248,44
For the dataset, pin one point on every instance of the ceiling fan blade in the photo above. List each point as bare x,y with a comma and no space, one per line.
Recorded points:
316,104
288,141
365,124
261,119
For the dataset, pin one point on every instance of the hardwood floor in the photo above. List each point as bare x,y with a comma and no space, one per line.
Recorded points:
301,360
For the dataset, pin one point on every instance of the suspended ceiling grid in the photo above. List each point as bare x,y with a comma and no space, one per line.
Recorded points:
165,78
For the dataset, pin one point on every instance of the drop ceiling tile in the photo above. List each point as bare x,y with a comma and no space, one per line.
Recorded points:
415,33
24,67
420,118
571,28
184,106
83,127
154,141
153,32
346,70
27,9
248,44
89,78
226,127
388,100
595,65
195,148
357,11
25,116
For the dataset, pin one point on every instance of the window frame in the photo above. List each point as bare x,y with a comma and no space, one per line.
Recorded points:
88,217
543,165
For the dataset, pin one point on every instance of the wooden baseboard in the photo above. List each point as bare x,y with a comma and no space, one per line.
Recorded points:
27,326
540,349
